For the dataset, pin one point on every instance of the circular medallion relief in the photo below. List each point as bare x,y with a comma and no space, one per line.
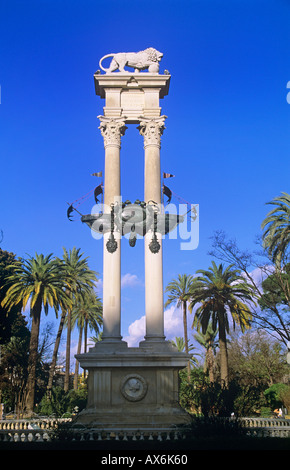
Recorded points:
133,387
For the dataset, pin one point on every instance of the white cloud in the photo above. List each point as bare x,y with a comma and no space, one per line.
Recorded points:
129,280
136,332
173,322
173,326
260,274
99,286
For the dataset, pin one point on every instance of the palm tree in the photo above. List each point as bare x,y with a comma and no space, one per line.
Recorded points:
276,236
41,280
86,313
180,346
79,280
209,343
222,292
179,343
97,338
180,290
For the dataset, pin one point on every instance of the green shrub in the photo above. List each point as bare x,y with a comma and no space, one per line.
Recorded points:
77,400
214,426
63,404
200,397
266,412
54,403
274,395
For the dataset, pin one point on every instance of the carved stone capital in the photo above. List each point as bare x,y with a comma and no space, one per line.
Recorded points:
152,130
112,130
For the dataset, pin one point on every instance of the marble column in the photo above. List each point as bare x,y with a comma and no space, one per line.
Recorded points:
151,130
112,130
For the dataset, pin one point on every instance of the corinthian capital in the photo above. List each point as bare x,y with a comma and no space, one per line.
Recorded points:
152,130
112,130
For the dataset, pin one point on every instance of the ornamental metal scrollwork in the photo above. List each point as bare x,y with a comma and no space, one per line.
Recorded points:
133,219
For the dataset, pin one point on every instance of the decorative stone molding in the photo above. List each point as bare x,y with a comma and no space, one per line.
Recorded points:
152,130
112,130
133,387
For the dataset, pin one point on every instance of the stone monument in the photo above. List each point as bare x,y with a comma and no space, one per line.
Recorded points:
132,388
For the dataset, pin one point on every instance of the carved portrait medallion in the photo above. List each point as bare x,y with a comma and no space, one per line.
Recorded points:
133,387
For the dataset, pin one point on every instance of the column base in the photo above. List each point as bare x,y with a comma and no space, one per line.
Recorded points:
109,345
157,343
112,339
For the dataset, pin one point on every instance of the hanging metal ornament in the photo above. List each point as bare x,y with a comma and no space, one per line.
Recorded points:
133,237
154,245
111,244
133,219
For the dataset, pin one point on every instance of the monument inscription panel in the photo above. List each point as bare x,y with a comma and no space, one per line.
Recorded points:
132,100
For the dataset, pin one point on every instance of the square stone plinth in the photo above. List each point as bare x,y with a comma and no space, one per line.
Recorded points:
131,95
133,388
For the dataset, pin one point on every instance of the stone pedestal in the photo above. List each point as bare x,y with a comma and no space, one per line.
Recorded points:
133,388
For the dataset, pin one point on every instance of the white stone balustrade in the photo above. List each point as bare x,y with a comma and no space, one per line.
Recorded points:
23,431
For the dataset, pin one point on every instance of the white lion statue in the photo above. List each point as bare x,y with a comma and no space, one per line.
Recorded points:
147,59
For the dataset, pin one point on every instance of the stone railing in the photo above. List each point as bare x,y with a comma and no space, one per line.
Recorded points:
42,430
37,423
266,427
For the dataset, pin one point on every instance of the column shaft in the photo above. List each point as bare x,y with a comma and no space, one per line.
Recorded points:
112,131
151,131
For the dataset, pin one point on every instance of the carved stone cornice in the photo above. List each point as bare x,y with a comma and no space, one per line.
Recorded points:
152,130
112,130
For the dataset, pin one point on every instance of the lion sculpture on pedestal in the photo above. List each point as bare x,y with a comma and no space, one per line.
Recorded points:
147,59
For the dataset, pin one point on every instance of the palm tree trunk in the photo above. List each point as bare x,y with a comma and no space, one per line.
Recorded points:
210,364
55,351
86,334
33,357
186,336
77,362
67,361
85,340
223,354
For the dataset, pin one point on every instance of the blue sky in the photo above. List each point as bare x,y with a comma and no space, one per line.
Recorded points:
227,132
